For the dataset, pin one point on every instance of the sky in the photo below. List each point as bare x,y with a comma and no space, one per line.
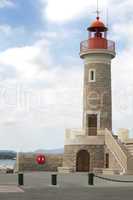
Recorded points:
41,73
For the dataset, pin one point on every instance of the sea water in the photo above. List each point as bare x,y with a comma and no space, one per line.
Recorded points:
5,163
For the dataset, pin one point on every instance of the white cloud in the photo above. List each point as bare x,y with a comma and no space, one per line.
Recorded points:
59,34
27,60
68,10
65,10
6,29
122,71
32,112
122,68
39,95
6,3
121,31
55,99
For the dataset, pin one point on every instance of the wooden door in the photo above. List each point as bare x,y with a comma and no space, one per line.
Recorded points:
83,161
92,124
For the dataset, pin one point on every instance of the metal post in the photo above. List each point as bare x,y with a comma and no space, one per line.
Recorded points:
20,179
54,179
90,179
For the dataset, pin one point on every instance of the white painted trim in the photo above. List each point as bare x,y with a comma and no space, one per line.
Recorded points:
102,52
97,62
97,59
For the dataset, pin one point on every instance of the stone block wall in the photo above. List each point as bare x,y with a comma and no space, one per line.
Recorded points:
27,162
97,95
96,155
113,163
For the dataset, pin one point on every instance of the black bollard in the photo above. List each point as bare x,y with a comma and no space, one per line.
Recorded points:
90,179
20,179
54,179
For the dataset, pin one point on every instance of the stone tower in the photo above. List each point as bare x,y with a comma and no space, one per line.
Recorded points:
88,149
97,53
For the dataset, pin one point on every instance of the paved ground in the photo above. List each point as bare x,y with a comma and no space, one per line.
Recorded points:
71,194
10,189
70,187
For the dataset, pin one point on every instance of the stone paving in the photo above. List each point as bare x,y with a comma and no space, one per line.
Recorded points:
10,189
70,187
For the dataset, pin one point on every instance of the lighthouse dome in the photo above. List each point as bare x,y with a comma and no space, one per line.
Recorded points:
97,25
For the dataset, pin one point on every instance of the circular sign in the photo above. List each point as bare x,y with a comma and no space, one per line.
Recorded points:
40,159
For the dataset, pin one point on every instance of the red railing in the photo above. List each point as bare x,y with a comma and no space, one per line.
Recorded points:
86,46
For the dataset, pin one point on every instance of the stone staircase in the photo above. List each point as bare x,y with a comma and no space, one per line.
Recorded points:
129,147
116,150
122,154
124,148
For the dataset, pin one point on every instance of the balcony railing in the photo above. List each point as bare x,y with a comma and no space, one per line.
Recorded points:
85,46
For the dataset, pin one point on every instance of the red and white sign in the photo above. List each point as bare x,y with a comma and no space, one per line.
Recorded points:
40,159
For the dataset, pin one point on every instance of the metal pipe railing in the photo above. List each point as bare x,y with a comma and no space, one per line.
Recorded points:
85,46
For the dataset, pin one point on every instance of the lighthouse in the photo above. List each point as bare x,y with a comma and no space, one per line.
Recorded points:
97,52
94,147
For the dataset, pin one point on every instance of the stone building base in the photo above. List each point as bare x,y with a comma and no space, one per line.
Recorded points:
66,169
95,153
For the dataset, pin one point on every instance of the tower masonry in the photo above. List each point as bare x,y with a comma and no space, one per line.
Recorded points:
97,53
95,147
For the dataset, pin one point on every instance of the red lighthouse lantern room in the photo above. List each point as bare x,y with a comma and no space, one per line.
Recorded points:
97,35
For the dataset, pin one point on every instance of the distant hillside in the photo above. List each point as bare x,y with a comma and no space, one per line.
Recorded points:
6,154
50,151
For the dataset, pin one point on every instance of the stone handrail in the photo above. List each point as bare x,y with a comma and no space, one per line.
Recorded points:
70,133
116,150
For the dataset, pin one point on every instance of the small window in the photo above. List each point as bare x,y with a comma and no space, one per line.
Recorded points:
92,75
107,160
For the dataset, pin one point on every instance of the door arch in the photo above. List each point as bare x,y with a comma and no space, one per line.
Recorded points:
83,161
